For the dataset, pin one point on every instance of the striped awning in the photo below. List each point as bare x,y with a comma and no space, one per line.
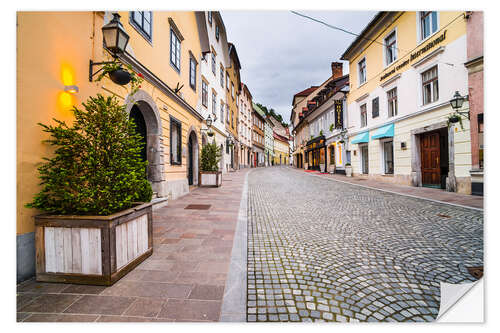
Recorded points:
361,138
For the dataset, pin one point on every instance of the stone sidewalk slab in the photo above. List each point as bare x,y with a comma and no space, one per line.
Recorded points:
184,279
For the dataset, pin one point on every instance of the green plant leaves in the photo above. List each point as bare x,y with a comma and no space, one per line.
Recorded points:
96,168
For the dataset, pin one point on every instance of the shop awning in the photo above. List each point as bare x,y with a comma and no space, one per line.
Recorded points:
386,131
361,138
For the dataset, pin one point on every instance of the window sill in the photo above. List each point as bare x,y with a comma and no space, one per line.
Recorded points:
427,38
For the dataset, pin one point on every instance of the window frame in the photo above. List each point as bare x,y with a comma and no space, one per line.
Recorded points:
222,111
433,82
192,76
140,28
209,17
392,102
204,93
222,75
214,102
227,80
176,122
217,32
420,33
214,63
361,112
177,39
395,49
359,72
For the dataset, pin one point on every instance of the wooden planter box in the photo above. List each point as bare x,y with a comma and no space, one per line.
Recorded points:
210,179
95,250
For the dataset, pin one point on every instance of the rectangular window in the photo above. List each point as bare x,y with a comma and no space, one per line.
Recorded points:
222,111
362,71
232,90
332,155
192,73
214,103
142,21
390,48
227,81
389,157
392,102
204,93
375,107
428,24
232,119
222,76
363,115
227,114
217,32
209,17
213,63
175,51
430,90
175,142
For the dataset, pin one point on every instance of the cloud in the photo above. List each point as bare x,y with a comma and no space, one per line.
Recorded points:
282,53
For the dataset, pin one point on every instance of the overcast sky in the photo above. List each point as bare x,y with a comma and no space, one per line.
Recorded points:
282,53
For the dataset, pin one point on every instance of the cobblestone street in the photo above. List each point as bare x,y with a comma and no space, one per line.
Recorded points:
322,250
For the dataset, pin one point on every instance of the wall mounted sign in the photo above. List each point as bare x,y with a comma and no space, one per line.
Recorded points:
339,114
415,55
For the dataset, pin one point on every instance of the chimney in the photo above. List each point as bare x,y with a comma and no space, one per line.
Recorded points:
336,70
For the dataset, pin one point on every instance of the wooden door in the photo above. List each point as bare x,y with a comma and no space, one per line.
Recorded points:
430,152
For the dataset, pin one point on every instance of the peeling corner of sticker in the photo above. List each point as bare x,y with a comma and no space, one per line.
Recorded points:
455,302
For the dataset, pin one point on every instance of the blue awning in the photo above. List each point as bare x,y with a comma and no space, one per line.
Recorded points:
361,138
386,131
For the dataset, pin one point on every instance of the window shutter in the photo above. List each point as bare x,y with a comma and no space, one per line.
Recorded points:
375,107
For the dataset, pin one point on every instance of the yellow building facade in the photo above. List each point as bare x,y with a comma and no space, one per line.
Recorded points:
281,150
404,68
54,50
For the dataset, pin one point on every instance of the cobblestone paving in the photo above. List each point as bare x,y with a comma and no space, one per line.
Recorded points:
320,250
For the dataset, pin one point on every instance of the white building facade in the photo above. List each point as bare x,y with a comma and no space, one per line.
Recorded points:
245,126
212,99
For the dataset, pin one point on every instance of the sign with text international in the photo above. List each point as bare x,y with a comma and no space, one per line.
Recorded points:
339,114
429,45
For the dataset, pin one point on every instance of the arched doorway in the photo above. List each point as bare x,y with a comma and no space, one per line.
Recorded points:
141,129
142,109
192,167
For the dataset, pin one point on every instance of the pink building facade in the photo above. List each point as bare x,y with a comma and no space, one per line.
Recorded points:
474,66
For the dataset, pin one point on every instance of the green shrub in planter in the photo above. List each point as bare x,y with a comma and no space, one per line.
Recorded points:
96,168
210,157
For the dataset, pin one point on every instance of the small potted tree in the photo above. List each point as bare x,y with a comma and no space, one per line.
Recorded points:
97,224
209,175
348,169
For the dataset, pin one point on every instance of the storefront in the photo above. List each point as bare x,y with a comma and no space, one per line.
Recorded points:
316,154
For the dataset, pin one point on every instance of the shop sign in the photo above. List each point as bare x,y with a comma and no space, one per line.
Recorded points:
415,55
339,114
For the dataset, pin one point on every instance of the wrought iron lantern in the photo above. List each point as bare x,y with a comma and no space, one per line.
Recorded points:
114,36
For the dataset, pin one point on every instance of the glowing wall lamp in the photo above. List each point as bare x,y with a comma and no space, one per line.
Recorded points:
115,42
71,89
